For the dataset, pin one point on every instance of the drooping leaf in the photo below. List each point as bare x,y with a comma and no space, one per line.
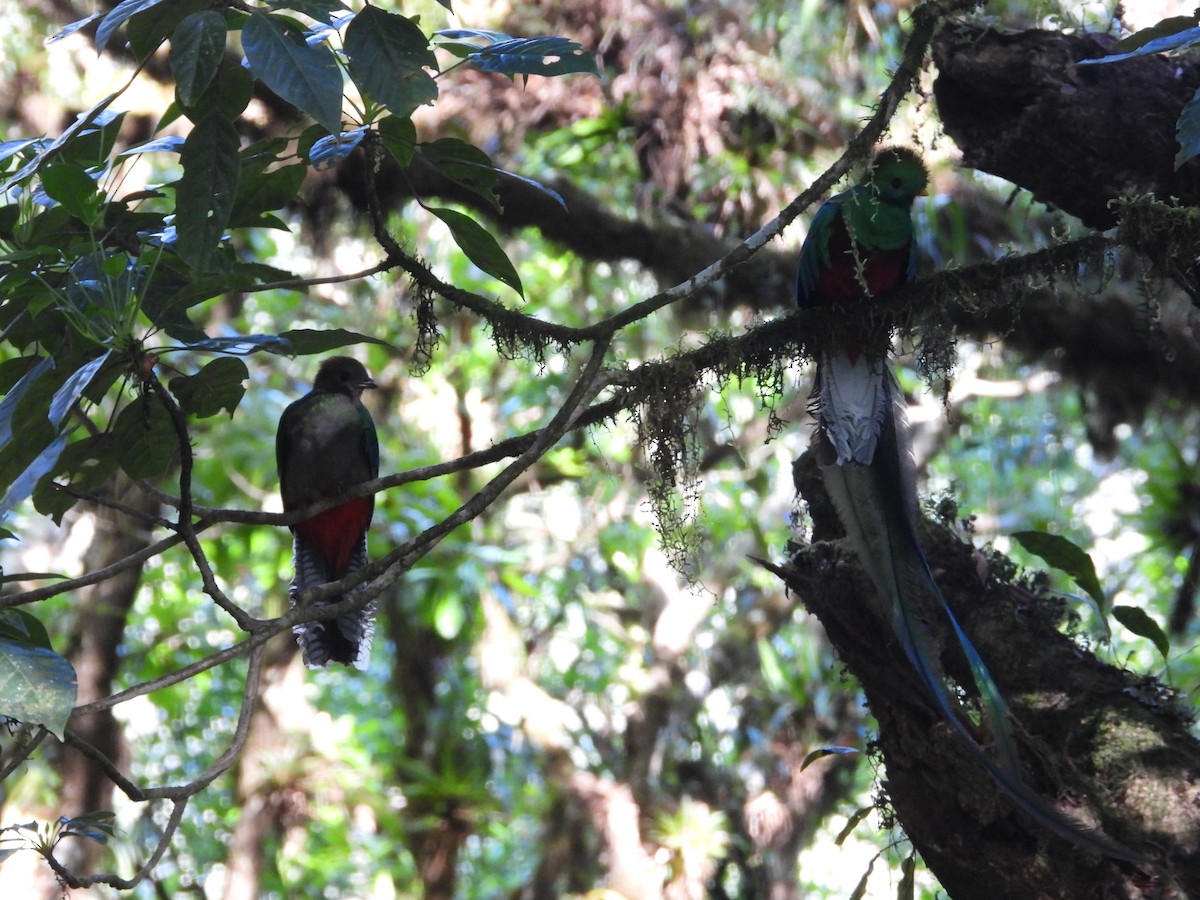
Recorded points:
480,247
220,385
9,149
1060,553
822,752
305,76
1188,131
9,402
115,19
35,430
197,47
206,192
465,164
1176,41
37,686
69,30
1139,622
307,341
852,823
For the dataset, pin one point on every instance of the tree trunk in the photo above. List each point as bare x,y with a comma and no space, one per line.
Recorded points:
1100,741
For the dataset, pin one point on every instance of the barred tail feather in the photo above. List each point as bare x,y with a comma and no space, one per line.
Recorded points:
851,403
346,639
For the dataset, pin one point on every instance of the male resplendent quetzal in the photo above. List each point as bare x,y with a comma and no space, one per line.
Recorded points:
326,444
860,245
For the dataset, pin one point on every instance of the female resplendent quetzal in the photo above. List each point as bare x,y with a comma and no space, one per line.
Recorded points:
326,444
861,245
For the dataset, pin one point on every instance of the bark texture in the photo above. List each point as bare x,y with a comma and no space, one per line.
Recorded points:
1018,106
1106,745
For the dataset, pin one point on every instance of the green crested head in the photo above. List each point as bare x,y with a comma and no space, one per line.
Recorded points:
897,175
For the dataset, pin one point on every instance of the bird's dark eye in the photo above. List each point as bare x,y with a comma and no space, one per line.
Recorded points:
896,182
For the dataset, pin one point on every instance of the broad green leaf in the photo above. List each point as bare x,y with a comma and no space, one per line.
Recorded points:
197,47
1139,622
479,246
305,76
822,752
205,193
18,625
1188,131
226,96
399,136
534,56
37,686
306,341
144,440
1059,553
388,57
1176,41
220,385
115,19
70,185
264,191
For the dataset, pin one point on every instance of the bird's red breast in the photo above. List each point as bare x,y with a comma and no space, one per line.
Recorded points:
851,270
336,532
